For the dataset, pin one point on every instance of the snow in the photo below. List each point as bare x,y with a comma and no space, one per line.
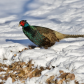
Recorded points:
9,81
65,16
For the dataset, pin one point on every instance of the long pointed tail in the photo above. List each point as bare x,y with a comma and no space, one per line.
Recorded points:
74,36
62,36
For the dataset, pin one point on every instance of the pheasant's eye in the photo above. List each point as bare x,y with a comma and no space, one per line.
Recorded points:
22,23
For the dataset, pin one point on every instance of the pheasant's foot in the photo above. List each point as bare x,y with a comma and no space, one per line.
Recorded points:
32,46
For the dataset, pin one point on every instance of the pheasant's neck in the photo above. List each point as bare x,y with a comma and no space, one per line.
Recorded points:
29,29
26,25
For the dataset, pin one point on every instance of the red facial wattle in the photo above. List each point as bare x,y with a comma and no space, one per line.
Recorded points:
22,23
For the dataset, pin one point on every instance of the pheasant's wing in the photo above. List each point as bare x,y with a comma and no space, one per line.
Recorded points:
48,33
43,30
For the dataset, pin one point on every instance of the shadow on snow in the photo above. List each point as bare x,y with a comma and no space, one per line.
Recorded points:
23,41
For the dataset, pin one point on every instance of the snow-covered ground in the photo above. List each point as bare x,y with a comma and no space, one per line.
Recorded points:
65,16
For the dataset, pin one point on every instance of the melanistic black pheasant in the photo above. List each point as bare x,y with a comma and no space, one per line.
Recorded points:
43,37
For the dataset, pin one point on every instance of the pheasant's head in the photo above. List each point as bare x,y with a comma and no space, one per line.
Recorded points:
23,23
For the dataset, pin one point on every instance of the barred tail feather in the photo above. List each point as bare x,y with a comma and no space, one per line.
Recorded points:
74,36
62,36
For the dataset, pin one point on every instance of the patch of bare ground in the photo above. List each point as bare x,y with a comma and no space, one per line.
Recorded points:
64,77
20,71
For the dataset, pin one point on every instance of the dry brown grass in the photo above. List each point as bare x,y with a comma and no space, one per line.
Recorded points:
67,77
20,71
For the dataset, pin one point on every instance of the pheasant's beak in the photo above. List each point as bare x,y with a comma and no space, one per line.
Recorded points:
19,25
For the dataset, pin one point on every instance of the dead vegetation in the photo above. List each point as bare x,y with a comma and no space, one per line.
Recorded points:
21,71
64,77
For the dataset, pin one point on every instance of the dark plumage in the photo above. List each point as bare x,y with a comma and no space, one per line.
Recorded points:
43,37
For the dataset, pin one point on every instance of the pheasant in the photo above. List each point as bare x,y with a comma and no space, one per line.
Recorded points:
43,37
